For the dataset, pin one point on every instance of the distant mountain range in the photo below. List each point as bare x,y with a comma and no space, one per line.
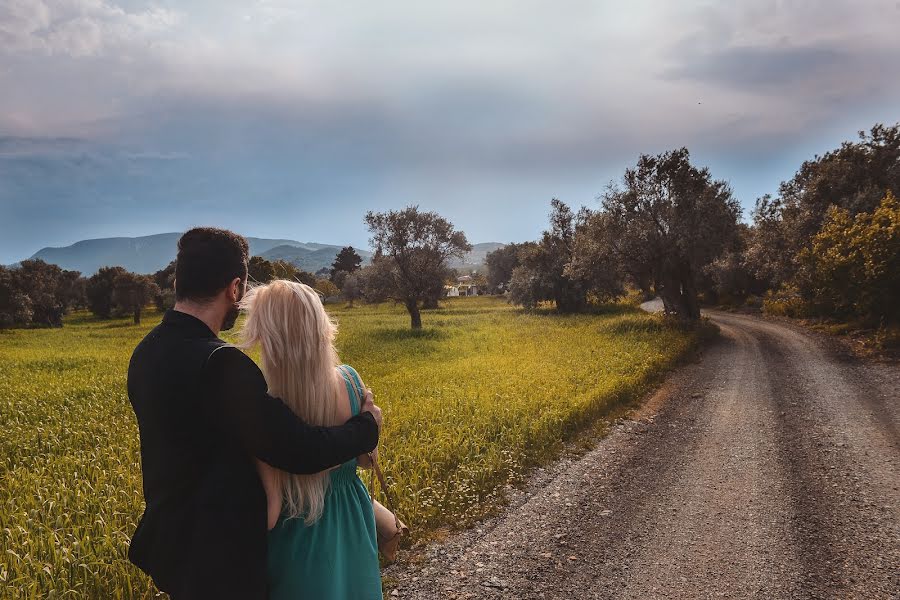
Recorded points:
308,258
475,258
151,253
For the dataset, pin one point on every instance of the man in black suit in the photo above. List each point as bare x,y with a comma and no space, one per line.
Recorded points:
204,415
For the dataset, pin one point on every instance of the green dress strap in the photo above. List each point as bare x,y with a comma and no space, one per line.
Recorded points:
354,385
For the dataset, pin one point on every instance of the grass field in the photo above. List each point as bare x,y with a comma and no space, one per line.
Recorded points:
480,395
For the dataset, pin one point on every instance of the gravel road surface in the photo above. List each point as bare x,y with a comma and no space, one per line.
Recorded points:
768,469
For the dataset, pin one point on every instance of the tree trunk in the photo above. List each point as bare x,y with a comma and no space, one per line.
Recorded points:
137,315
689,299
669,289
670,300
679,295
415,318
688,290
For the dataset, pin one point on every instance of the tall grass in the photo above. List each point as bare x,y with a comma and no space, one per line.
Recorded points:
470,403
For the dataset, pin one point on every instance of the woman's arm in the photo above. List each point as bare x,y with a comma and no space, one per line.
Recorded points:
363,460
270,480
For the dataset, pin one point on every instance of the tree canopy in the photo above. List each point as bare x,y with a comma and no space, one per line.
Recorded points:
412,248
853,177
100,291
666,222
500,264
131,293
347,260
852,266
542,274
260,270
38,294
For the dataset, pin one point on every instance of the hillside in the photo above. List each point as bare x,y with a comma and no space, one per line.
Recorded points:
148,254
475,258
151,253
309,260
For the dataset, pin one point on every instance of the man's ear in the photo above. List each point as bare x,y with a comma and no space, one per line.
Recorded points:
234,289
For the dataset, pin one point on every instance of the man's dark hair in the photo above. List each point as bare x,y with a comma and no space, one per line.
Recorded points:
208,260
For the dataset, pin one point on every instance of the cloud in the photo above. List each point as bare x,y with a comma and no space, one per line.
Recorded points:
144,107
77,28
754,67
12,147
518,74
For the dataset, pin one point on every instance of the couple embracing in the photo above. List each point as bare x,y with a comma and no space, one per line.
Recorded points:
249,479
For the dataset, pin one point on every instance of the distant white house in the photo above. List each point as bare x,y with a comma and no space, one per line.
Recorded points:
463,287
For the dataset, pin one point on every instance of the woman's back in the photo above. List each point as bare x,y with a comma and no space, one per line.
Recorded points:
335,557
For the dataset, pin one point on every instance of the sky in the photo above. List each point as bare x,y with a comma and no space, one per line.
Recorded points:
292,118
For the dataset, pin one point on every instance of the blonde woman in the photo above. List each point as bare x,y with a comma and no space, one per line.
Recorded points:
322,540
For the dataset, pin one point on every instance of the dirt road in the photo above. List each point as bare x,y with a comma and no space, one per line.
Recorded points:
769,469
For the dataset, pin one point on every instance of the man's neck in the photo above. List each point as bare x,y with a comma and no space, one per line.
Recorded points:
208,313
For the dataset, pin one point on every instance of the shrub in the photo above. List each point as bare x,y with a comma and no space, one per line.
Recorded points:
786,301
326,288
852,267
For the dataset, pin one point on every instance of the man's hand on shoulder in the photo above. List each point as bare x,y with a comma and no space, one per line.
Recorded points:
370,407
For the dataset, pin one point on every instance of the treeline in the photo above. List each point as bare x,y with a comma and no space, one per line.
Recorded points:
38,294
828,245
657,230
412,248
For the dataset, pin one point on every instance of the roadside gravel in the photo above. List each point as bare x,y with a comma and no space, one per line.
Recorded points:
768,469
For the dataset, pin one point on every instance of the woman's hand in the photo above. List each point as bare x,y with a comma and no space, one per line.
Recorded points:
365,461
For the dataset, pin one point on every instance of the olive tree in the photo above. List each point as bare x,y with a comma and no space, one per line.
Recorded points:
16,309
542,273
352,288
42,291
853,177
132,292
260,270
666,222
99,291
500,264
414,247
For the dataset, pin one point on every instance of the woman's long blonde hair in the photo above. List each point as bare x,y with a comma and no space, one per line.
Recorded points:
296,339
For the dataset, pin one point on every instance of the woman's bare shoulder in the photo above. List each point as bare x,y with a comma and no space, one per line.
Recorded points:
343,396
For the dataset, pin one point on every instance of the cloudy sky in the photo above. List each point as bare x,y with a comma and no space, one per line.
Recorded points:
291,118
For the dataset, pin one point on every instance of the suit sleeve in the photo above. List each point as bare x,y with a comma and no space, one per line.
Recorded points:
269,430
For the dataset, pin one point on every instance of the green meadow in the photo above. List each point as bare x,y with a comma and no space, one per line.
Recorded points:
483,393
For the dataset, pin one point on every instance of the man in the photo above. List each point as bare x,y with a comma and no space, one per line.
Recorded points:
204,416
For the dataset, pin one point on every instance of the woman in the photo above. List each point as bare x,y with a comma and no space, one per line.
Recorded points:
322,541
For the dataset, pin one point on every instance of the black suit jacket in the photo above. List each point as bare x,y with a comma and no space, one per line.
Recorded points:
204,414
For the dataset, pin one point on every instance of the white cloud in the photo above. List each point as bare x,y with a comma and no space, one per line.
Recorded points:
508,77
77,28
506,102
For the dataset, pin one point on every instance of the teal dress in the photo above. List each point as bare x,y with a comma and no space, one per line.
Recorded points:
335,558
